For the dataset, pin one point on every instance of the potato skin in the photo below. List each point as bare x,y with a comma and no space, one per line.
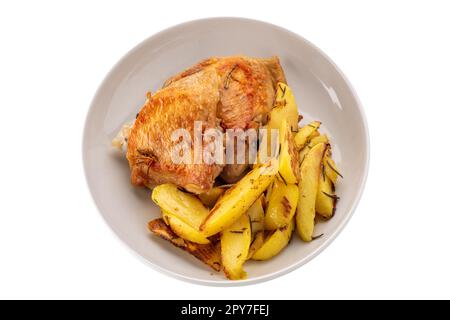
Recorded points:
209,198
256,215
331,170
285,108
304,134
326,198
275,243
258,241
282,205
182,205
289,162
238,199
235,243
313,141
184,230
207,253
309,181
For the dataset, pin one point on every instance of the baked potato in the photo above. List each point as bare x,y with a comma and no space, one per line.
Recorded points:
257,242
285,109
331,169
180,204
309,181
235,243
289,163
313,141
281,206
274,243
207,253
209,198
238,199
303,135
183,229
326,197
256,215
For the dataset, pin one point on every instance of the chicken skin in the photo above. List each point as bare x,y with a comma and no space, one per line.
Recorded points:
223,93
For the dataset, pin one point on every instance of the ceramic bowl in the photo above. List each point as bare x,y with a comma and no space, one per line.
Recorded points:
322,93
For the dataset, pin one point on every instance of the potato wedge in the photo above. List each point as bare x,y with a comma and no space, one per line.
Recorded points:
209,198
289,165
314,141
182,205
309,180
184,230
256,214
304,133
276,242
326,198
282,205
257,242
235,243
238,199
207,253
285,109
323,138
331,169
269,190
314,134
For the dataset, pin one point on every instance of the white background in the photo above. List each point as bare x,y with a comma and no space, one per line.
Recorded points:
53,56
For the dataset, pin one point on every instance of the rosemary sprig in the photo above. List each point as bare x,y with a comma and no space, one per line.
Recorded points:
332,196
281,88
334,169
281,177
317,237
238,231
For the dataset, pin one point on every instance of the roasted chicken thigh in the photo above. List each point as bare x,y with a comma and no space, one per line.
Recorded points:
224,93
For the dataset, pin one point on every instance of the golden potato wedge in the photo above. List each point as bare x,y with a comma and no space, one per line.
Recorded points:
183,229
235,243
304,133
289,165
309,180
321,138
285,109
182,205
302,154
276,242
326,198
207,253
256,214
238,199
314,134
281,205
314,141
269,191
257,242
209,198
331,169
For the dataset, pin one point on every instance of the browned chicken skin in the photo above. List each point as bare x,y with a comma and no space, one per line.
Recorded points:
230,92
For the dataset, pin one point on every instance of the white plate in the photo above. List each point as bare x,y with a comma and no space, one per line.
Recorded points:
321,90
